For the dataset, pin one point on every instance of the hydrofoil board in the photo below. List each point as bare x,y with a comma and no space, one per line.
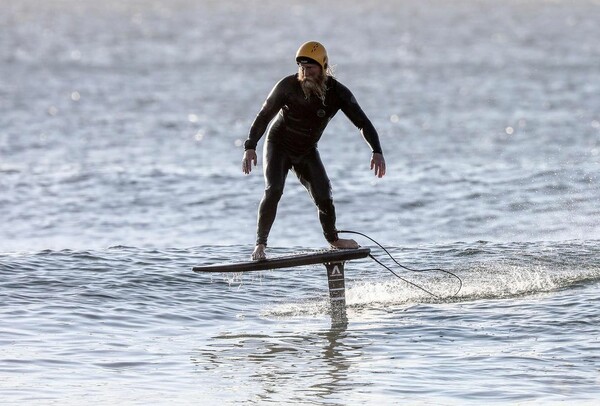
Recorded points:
300,259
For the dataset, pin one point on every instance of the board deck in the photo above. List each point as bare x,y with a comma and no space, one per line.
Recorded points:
301,259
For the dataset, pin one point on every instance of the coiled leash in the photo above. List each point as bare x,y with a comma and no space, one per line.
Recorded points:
405,267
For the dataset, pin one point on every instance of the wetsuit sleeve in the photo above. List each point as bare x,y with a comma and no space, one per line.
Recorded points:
357,116
270,108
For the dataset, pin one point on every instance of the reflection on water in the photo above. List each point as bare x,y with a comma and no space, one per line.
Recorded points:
337,354
277,363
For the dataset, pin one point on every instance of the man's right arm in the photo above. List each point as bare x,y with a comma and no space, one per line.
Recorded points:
248,160
269,110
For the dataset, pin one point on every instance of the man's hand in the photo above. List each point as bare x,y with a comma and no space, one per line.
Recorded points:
378,164
247,160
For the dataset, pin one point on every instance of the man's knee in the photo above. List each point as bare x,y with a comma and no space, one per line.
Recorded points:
273,193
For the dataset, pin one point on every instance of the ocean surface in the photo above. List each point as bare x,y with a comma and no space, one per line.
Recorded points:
121,131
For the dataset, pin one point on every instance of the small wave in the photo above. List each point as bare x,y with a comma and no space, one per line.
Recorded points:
489,278
9,171
309,308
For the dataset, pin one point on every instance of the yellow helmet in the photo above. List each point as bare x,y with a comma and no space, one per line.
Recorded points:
314,52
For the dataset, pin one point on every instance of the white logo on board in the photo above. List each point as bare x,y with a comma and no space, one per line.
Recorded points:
335,271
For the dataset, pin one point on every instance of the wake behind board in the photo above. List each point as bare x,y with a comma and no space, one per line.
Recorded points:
310,258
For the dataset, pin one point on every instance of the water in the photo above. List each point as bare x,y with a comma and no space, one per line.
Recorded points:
120,146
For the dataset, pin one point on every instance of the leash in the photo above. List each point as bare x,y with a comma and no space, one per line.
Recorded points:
405,267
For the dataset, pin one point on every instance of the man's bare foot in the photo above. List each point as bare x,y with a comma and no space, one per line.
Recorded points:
259,252
344,244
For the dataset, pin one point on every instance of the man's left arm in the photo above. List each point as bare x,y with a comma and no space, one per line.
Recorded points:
357,116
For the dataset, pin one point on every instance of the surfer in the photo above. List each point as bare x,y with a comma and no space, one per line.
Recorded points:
304,104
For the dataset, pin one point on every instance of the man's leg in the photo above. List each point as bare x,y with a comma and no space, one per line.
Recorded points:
276,165
312,175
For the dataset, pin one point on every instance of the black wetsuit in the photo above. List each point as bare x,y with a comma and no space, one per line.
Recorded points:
292,144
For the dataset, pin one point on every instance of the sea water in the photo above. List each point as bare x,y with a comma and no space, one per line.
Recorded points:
121,131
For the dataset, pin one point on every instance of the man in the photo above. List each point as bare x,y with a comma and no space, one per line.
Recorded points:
304,104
